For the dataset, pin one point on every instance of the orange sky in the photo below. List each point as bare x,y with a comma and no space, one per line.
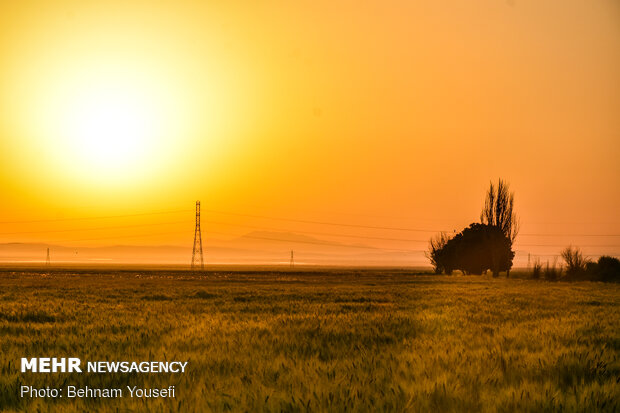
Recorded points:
368,113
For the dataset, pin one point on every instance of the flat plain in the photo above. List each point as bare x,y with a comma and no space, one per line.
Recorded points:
315,340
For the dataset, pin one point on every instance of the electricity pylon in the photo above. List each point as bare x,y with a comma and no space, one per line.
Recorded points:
47,260
197,258
292,259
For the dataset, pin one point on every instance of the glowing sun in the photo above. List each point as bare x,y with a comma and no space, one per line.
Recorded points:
112,128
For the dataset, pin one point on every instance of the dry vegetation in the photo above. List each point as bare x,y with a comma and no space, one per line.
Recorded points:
330,341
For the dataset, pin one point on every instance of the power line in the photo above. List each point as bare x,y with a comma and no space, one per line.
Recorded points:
95,218
215,223
122,236
294,241
303,221
332,234
385,228
252,237
564,245
331,244
94,229
276,229
570,235
285,220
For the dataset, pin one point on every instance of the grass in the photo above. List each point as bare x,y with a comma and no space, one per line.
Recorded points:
339,340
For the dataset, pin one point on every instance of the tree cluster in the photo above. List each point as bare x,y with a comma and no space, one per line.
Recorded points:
476,249
577,267
481,246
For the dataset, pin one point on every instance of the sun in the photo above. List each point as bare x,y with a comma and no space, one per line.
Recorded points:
112,128
102,123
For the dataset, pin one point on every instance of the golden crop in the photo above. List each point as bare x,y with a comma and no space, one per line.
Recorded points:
317,341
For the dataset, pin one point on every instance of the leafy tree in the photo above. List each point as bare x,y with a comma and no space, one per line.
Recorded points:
605,269
434,253
608,268
477,248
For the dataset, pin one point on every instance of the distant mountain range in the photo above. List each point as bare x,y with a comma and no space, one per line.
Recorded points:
258,247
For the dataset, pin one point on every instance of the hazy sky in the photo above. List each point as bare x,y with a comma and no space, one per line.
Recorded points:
393,114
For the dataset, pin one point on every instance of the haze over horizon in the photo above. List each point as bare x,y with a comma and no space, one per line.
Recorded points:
355,123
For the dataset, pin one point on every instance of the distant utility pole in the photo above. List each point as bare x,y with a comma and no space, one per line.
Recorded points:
529,257
197,258
292,259
47,260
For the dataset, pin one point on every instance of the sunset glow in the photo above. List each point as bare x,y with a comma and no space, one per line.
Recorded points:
310,205
355,113
110,130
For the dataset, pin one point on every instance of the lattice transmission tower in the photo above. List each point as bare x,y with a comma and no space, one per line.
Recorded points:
48,262
292,259
197,258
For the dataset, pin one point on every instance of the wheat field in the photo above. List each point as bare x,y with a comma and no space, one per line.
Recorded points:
320,340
